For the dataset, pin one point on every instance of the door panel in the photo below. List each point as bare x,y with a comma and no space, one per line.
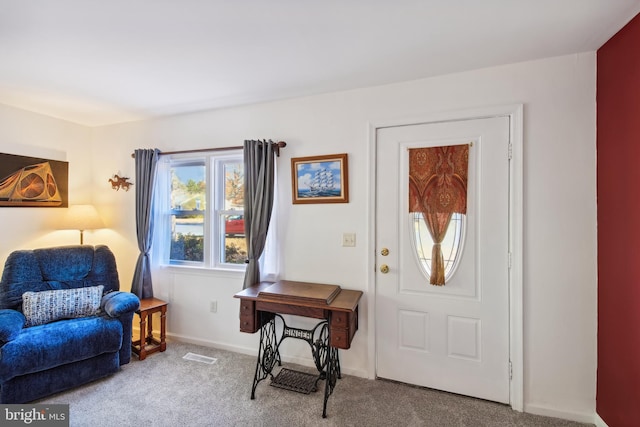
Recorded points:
453,337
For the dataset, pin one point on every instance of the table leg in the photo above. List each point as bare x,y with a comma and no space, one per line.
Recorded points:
333,370
268,353
143,339
333,373
149,338
163,328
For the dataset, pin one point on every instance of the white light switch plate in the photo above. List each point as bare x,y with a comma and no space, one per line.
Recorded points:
348,239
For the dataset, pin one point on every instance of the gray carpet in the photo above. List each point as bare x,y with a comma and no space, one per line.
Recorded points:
167,390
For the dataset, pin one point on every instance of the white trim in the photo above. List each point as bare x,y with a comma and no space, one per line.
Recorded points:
516,214
581,417
250,351
599,422
371,261
516,275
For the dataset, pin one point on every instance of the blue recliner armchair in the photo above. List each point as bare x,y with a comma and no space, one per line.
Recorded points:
63,320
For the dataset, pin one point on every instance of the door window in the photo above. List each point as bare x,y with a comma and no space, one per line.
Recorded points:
451,245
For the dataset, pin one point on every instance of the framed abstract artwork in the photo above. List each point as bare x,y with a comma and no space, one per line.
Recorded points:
320,179
33,182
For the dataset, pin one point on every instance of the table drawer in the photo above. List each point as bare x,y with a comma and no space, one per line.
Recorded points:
248,320
340,319
340,338
248,323
343,327
247,307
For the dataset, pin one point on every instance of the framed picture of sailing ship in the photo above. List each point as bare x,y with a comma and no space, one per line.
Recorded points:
33,182
320,179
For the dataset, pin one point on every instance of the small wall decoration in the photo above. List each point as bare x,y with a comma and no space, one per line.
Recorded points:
33,182
118,182
320,179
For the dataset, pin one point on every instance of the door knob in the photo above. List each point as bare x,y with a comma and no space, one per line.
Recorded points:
384,269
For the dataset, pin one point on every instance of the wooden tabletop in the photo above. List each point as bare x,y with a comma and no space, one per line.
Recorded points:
316,295
252,292
288,291
150,303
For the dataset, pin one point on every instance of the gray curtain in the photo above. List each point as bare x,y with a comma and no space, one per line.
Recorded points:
146,163
259,163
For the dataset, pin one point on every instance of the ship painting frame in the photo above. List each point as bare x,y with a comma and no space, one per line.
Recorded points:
320,179
33,182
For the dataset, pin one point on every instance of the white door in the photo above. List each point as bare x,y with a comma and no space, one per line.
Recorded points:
454,337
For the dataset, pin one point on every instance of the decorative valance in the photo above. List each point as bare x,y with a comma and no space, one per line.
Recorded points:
438,179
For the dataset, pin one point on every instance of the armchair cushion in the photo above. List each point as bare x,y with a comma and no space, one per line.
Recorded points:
59,343
118,303
11,323
48,306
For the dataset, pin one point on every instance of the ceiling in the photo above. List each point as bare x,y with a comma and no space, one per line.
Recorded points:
102,62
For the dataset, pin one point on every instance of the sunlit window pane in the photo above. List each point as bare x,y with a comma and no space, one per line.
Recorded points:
235,244
187,239
233,186
188,206
230,211
451,244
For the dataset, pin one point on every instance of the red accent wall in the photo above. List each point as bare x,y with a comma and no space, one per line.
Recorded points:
618,186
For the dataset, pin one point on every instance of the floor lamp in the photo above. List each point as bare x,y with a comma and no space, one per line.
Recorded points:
82,217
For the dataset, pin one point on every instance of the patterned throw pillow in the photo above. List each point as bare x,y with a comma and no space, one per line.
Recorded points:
47,306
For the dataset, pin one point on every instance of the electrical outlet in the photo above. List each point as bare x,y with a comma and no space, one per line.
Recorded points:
348,239
213,306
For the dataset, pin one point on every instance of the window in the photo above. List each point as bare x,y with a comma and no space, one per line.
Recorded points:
451,244
200,210
188,206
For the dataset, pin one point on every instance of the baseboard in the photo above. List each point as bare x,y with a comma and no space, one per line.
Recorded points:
214,344
599,422
308,362
581,417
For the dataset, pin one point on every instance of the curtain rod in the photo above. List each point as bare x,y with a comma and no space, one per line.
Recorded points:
276,147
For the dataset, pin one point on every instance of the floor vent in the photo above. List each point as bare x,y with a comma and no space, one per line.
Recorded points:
200,358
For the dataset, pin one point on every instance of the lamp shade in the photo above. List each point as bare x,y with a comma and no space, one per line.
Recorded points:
81,217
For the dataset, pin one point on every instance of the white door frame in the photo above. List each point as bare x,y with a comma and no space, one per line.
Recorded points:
516,210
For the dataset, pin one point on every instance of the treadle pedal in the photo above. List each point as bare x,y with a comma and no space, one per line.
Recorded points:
300,382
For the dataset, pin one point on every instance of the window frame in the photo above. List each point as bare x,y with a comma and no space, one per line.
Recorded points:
214,237
218,213
188,161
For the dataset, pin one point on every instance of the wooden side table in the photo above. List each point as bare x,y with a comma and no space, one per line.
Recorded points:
148,344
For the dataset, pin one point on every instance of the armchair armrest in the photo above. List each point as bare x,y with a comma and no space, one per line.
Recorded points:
11,324
118,303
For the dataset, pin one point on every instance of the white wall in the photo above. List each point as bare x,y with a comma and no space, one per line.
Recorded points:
559,201
34,135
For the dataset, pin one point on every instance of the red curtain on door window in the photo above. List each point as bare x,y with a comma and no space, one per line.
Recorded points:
438,189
